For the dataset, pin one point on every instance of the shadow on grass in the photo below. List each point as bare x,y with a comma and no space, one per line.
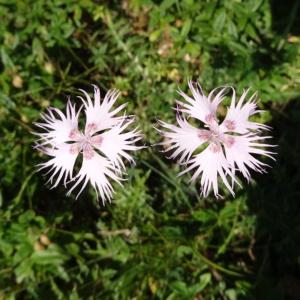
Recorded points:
285,16
276,203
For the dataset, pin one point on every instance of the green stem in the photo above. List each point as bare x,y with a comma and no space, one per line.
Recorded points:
23,187
223,247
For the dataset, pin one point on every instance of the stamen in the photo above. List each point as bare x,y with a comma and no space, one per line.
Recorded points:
230,124
73,133
229,141
203,134
74,149
97,139
88,153
210,119
215,147
91,127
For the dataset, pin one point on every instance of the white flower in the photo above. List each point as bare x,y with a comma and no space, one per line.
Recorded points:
104,144
229,146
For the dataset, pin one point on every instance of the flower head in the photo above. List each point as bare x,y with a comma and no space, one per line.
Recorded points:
229,146
102,145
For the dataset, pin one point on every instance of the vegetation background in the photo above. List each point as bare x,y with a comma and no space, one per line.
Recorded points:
158,239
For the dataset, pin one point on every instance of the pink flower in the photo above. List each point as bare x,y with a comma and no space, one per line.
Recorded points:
229,146
101,147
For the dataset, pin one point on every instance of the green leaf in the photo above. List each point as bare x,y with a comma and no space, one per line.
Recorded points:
205,279
50,256
166,4
38,50
6,60
183,250
186,28
154,35
24,271
219,21
205,216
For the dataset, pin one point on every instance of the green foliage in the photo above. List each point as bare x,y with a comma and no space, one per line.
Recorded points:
158,239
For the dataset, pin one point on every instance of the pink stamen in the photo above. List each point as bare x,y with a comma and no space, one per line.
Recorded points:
215,148
210,119
230,125
88,153
74,149
97,140
203,134
91,127
229,141
73,133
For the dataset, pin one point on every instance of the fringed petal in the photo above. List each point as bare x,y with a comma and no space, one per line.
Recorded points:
58,127
99,114
61,164
239,152
210,164
184,139
115,143
200,106
238,114
97,170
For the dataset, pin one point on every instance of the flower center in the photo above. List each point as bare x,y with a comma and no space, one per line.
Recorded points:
86,146
215,134
216,137
84,143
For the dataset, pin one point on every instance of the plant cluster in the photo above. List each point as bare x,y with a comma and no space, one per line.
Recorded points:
159,239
